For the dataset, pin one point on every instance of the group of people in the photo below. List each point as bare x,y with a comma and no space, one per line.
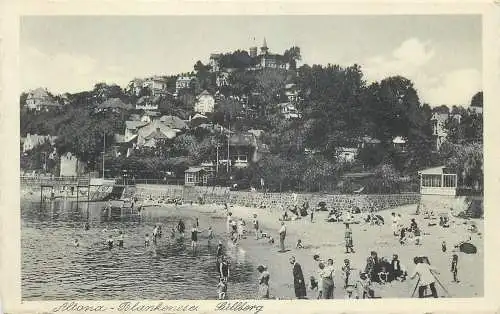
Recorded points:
406,234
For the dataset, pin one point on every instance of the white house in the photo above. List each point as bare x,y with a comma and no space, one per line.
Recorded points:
71,166
289,111
40,99
183,82
157,85
222,79
399,143
33,140
205,102
146,103
347,154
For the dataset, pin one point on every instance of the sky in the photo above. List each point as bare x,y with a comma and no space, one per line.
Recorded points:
441,54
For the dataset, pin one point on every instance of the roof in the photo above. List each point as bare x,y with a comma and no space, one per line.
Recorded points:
370,140
242,139
132,125
399,140
289,85
39,93
173,122
157,130
151,113
198,116
204,93
115,103
194,169
157,134
435,170
185,78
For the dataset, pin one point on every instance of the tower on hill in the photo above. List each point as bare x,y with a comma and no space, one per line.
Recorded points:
264,50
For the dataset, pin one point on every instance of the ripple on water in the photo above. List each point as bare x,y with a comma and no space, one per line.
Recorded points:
52,268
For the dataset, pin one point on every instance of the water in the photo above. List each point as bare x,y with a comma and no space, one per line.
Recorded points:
54,269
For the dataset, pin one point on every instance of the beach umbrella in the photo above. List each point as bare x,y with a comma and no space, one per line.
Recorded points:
468,248
380,218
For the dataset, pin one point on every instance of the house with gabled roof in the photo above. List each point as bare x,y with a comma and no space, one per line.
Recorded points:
205,102
40,99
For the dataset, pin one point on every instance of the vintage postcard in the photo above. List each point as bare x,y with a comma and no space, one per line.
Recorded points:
227,157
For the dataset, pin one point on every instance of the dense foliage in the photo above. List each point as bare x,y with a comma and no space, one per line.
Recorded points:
338,109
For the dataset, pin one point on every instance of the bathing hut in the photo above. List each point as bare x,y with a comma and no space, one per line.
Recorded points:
437,181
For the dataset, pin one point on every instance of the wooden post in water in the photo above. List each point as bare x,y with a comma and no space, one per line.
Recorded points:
41,194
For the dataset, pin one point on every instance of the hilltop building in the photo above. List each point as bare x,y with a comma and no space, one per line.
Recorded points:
273,61
157,85
183,82
40,99
214,62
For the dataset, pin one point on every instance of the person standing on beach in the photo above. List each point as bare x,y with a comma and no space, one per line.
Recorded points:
394,224
282,236
263,292
425,277
348,239
256,226
298,279
454,267
228,221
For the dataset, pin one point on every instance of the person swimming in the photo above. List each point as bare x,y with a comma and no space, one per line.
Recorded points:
87,226
146,240
110,242
76,243
120,239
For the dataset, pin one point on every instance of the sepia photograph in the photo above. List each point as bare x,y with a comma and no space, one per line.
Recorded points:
214,157
251,157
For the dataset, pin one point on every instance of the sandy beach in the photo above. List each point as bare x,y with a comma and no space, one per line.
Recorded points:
327,240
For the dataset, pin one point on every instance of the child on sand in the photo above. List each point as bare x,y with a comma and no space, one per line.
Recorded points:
299,244
76,243
346,272
443,246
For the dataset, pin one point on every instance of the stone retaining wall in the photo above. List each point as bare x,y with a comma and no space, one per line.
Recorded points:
273,200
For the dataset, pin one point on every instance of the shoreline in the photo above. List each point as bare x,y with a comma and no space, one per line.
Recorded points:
327,240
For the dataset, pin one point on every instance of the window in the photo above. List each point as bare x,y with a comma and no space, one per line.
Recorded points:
450,180
190,177
431,180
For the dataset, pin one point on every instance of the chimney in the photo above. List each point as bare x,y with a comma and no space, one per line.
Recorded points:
158,130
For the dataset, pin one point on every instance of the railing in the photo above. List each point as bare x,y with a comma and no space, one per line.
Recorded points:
150,181
29,180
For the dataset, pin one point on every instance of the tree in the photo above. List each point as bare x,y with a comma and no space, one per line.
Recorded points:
332,106
22,99
477,100
466,160
292,55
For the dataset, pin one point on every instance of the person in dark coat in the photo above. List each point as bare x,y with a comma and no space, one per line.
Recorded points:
298,279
